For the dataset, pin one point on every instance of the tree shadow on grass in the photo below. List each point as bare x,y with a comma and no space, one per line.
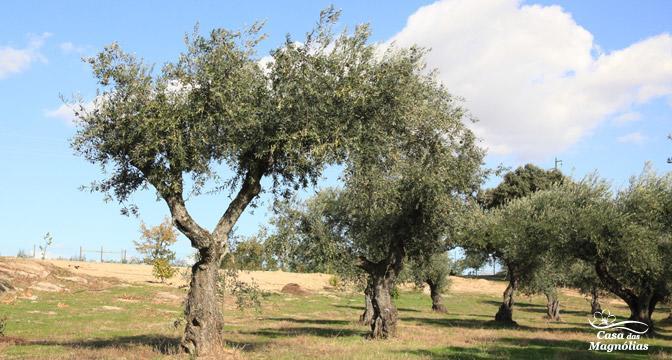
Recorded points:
361,308
312,321
161,343
305,330
466,323
491,324
525,349
518,304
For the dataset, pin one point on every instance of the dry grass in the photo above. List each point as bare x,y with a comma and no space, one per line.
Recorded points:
133,320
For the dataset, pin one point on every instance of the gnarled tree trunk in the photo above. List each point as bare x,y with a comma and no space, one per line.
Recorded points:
552,306
505,312
595,302
384,320
642,304
382,276
641,310
203,330
437,299
367,315
204,321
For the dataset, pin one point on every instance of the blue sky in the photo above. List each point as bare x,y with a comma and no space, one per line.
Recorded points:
589,82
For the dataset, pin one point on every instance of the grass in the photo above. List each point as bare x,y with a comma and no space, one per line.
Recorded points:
136,321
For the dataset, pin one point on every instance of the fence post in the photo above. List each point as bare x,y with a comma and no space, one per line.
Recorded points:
34,251
81,254
101,253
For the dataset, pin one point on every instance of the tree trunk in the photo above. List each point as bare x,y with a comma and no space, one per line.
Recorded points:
595,302
641,310
437,299
552,306
384,320
204,321
367,315
505,312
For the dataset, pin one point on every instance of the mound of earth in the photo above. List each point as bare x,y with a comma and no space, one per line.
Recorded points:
20,277
294,289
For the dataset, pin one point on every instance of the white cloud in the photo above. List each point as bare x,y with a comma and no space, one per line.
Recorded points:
533,77
631,138
69,48
13,60
627,117
64,112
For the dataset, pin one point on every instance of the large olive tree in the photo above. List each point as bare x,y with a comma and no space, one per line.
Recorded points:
216,109
626,237
401,199
402,188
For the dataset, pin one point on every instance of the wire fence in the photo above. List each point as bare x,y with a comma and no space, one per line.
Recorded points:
102,254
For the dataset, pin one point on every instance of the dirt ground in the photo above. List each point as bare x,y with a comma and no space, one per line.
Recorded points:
266,280
136,273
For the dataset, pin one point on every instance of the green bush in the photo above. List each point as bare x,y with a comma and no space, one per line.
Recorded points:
162,269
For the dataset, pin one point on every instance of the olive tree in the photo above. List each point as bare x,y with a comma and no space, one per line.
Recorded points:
434,271
583,277
546,279
401,199
626,237
519,234
216,109
520,183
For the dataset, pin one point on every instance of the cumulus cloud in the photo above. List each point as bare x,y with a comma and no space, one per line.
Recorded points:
631,138
534,78
15,60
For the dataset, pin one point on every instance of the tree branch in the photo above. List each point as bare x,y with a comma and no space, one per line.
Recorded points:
364,264
199,237
248,191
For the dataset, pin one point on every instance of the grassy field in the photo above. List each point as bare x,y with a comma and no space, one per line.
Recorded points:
136,321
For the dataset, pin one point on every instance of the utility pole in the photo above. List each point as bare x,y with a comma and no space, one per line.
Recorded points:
81,254
557,162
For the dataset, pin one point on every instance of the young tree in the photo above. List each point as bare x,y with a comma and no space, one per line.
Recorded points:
47,240
155,242
162,270
583,277
546,279
217,105
434,272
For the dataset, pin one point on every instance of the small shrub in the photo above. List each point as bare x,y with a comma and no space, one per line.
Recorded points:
335,281
248,295
162,269
394,292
